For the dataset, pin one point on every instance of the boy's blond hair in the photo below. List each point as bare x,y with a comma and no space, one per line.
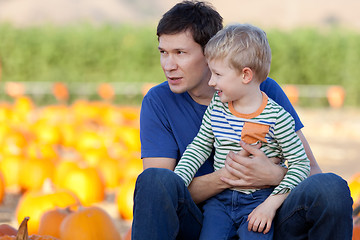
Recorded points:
242,45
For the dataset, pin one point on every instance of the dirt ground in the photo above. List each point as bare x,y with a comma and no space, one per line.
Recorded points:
334,137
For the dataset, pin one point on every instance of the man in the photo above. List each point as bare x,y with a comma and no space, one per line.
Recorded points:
171,115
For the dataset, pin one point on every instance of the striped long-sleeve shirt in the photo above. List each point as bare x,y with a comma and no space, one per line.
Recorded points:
223,128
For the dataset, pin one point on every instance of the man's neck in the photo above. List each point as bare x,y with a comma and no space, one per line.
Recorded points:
202,96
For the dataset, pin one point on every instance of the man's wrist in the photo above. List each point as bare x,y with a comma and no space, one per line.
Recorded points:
279,174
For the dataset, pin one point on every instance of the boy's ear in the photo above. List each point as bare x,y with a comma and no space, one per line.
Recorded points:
247,75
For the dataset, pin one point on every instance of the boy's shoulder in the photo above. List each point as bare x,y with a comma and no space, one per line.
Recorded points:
276,108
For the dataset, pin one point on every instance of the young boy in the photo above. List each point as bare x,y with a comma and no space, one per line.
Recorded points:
239,58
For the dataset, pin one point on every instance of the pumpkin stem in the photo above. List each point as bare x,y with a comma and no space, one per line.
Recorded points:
22,233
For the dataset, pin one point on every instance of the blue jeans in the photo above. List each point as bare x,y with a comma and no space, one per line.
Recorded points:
163,208
319,208
225,216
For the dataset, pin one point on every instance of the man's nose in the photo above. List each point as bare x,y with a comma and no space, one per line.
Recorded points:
169,63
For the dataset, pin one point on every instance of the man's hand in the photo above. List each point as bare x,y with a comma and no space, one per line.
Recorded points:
250,168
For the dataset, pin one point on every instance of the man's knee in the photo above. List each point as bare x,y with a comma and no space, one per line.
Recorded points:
328,188
154,176
328,184
156,180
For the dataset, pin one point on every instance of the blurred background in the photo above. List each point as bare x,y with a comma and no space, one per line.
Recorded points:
73,74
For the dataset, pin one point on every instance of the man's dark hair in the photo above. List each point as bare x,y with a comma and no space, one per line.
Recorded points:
198,17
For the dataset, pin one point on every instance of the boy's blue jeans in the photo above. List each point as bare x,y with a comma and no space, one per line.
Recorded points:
319,208
225,215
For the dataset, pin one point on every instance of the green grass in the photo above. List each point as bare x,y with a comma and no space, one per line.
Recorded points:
79,53
124,53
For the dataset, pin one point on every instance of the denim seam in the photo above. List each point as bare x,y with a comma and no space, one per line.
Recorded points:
292,213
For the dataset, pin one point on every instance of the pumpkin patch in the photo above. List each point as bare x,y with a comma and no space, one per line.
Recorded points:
56,156
89,223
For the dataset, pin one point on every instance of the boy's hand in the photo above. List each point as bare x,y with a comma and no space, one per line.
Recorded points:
260,219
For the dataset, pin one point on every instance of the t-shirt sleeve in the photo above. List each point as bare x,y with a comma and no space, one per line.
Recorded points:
274,91
156,135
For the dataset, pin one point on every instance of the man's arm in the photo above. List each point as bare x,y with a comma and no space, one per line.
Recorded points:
251,168
257,171
206,186
314,167
154,162
201,188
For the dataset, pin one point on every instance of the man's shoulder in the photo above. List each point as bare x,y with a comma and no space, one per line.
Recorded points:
162,93
159,88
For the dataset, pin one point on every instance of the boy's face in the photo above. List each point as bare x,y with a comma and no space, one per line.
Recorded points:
183,62
226,80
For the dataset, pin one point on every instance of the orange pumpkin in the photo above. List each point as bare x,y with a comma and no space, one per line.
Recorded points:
124,199
13,142
336,96
62,168
89,223
36,202
130,136
14,89
33,173
86,183
42,237
22,233
146,87
354,185
292,92
51,220
41,150
46,132
10,167
6,229
132,168
60,91
106,91
110,171
356,228
23,108
5,112
2,187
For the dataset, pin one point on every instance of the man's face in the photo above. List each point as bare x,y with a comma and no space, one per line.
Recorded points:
183,62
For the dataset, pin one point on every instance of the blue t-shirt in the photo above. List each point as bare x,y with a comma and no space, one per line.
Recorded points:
170,121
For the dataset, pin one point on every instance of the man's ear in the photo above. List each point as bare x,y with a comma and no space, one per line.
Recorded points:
246,75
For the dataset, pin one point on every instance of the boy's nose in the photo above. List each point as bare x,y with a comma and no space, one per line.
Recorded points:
212,82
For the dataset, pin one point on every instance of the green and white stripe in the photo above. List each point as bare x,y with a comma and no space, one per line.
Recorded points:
222,130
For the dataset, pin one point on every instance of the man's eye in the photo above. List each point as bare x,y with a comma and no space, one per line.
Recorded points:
181,52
